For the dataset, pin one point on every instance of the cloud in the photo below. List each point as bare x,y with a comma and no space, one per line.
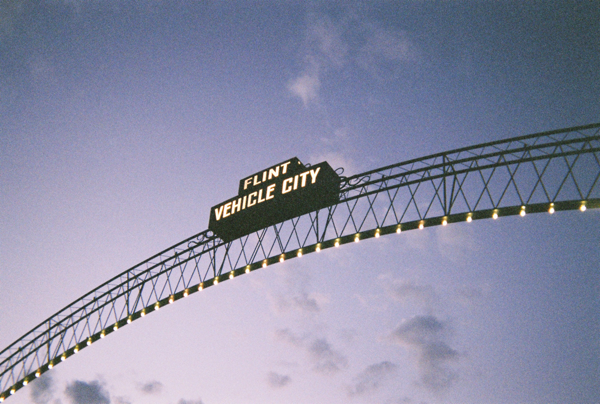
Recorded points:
42,389
306,87
424,335
153,387
337,160
326,45
182,401
332,45
296,296
406,400
277,380
370,379
286,335
80,392
324,49
323,357
405,290
384,47
472,295
306,303
456,243
326,360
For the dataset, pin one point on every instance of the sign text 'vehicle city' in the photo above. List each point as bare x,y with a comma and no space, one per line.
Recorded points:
278,193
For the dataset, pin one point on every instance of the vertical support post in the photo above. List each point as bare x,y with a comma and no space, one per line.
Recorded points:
444,162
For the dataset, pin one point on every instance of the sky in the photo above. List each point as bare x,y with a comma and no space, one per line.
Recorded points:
123,122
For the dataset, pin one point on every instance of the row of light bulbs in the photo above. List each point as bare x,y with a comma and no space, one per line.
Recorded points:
157,306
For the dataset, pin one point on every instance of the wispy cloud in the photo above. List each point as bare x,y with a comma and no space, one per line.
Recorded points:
296,295
326,359
337,160
325,40
182,401
306,87
321,354
370,379
287,336
152,387
425,336
42,389
277,380
456,243
331,45
405,290
384,49
472,296
323,49
80,392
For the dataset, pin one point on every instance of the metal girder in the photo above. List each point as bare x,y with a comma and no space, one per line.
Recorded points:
543,172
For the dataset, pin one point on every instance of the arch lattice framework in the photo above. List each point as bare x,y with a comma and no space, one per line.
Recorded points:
544,172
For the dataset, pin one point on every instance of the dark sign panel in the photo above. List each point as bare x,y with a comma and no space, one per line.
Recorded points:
278,193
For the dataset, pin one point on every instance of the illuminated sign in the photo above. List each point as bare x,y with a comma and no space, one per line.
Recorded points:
276,194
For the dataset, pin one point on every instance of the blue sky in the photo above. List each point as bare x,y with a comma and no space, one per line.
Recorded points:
122,123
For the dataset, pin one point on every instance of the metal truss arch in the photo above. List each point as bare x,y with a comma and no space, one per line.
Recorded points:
543,172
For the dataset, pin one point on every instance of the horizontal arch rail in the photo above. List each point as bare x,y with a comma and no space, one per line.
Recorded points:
543,172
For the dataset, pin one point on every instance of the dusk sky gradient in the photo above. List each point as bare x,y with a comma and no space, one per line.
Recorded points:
123,122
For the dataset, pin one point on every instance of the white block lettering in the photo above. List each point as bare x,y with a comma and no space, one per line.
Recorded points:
251,201
274,172
287,185
219,212
303,176
236,205
247,182
270,190
226,209
313,174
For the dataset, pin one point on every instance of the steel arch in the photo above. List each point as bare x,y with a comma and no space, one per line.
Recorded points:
543,172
